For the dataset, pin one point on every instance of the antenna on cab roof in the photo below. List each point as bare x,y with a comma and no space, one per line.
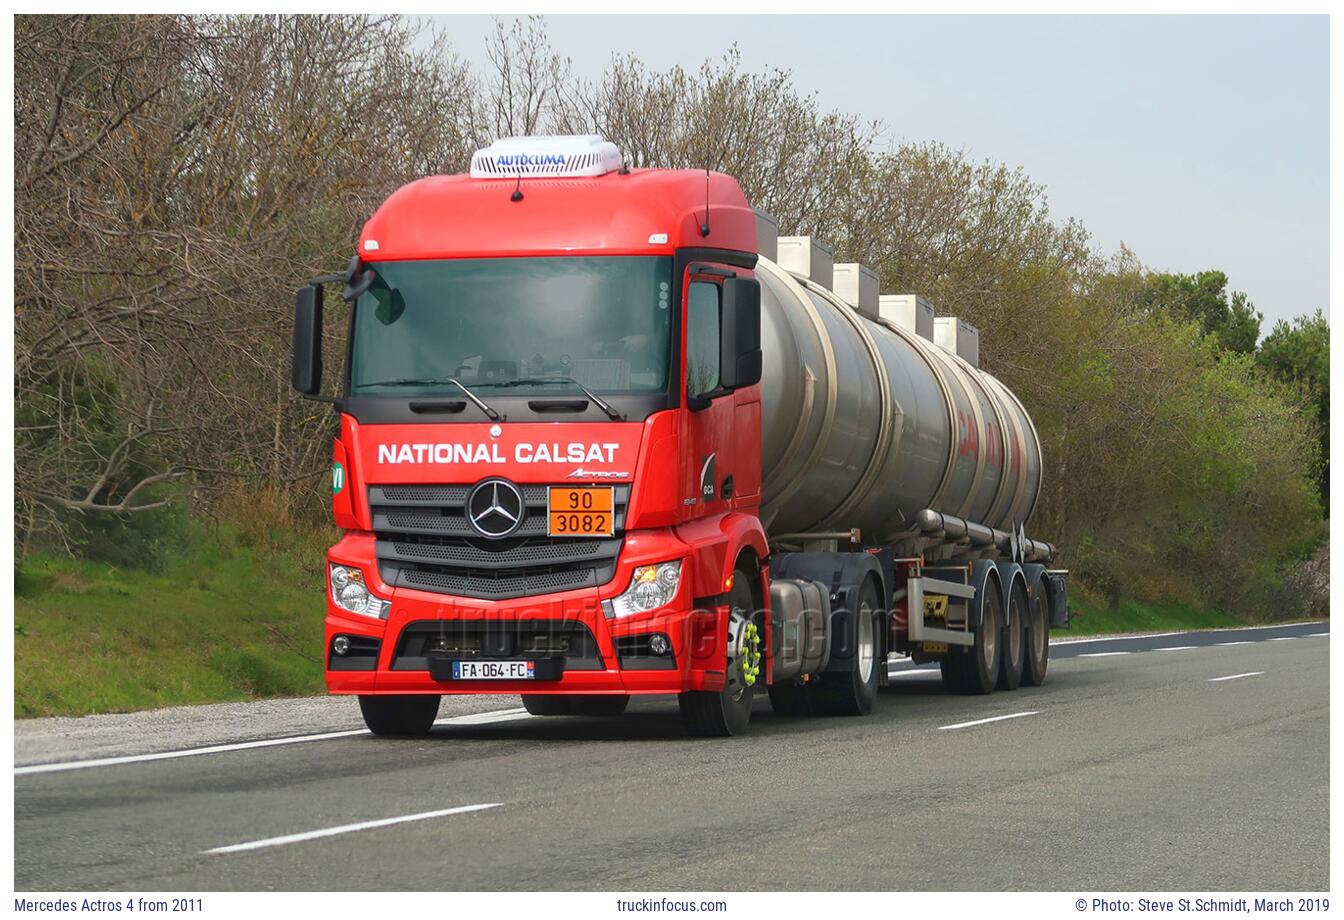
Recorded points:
704,228
517,189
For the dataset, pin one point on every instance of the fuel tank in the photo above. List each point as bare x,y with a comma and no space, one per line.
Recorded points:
866,422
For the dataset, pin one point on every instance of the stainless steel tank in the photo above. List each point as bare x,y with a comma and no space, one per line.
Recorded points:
866,424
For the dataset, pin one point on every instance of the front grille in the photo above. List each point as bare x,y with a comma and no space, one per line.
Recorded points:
425,541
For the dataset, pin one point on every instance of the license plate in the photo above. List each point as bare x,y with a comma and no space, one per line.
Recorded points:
588,511
494,670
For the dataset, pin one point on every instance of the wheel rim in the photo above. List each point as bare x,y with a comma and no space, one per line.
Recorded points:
867,649
744,655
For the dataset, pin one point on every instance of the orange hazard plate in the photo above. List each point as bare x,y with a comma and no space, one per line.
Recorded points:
589,511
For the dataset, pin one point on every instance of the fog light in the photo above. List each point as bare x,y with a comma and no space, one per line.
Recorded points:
340,645
658,644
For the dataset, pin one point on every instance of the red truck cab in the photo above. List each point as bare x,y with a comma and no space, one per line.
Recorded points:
548,471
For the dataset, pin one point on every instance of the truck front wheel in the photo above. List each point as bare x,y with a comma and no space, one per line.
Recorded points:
720,713
399,715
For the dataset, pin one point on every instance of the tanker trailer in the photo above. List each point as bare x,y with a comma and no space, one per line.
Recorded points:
879,429
603,434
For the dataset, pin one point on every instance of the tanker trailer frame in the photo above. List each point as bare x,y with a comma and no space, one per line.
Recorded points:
923,429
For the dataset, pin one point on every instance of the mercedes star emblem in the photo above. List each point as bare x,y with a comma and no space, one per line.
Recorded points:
495,508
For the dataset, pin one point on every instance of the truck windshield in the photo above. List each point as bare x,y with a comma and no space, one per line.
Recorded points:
603,321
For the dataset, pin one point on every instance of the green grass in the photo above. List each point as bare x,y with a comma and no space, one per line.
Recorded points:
1094,617
221,622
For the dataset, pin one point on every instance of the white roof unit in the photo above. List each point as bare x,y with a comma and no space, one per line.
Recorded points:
909,311
554,156
857,286
958,337
767,235
809,257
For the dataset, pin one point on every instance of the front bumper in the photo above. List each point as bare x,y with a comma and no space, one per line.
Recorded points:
604,655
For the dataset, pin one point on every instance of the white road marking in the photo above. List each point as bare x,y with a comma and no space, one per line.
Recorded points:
1115,638
1184,632
1102,654
914,671
1281,638
349,828
1016,715
476,718
1214,680
1242,642
486,718
1316,635
1175,648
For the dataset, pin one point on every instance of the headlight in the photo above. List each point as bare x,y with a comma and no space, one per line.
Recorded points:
651,586
350,593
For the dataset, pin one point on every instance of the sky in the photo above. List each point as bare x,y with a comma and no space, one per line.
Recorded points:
1198,141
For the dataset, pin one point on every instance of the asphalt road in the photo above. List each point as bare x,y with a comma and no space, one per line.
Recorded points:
1191,761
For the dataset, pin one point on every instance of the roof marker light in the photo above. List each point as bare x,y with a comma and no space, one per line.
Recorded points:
546,157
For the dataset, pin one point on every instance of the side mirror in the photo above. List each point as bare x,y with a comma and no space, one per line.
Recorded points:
307,368
740,333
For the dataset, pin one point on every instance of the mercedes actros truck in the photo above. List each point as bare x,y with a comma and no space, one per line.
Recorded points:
605,433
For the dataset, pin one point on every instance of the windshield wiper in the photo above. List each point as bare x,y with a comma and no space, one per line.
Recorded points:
537,381
432,381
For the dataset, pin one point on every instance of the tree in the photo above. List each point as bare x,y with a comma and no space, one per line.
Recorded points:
1298,353
176,178
1203,298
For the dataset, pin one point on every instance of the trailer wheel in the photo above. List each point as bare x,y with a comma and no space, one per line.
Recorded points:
1038,638
1014,639
975,669
540,704
854,691
399,715
720,713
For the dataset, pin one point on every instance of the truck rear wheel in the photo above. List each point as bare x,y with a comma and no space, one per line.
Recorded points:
539,704
399,715
854,691
720,713
1038,638
1014,639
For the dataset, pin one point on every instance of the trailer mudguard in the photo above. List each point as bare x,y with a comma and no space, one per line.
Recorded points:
1009,572
981,571
1032,572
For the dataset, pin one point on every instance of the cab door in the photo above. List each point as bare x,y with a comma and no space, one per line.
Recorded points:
708,474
